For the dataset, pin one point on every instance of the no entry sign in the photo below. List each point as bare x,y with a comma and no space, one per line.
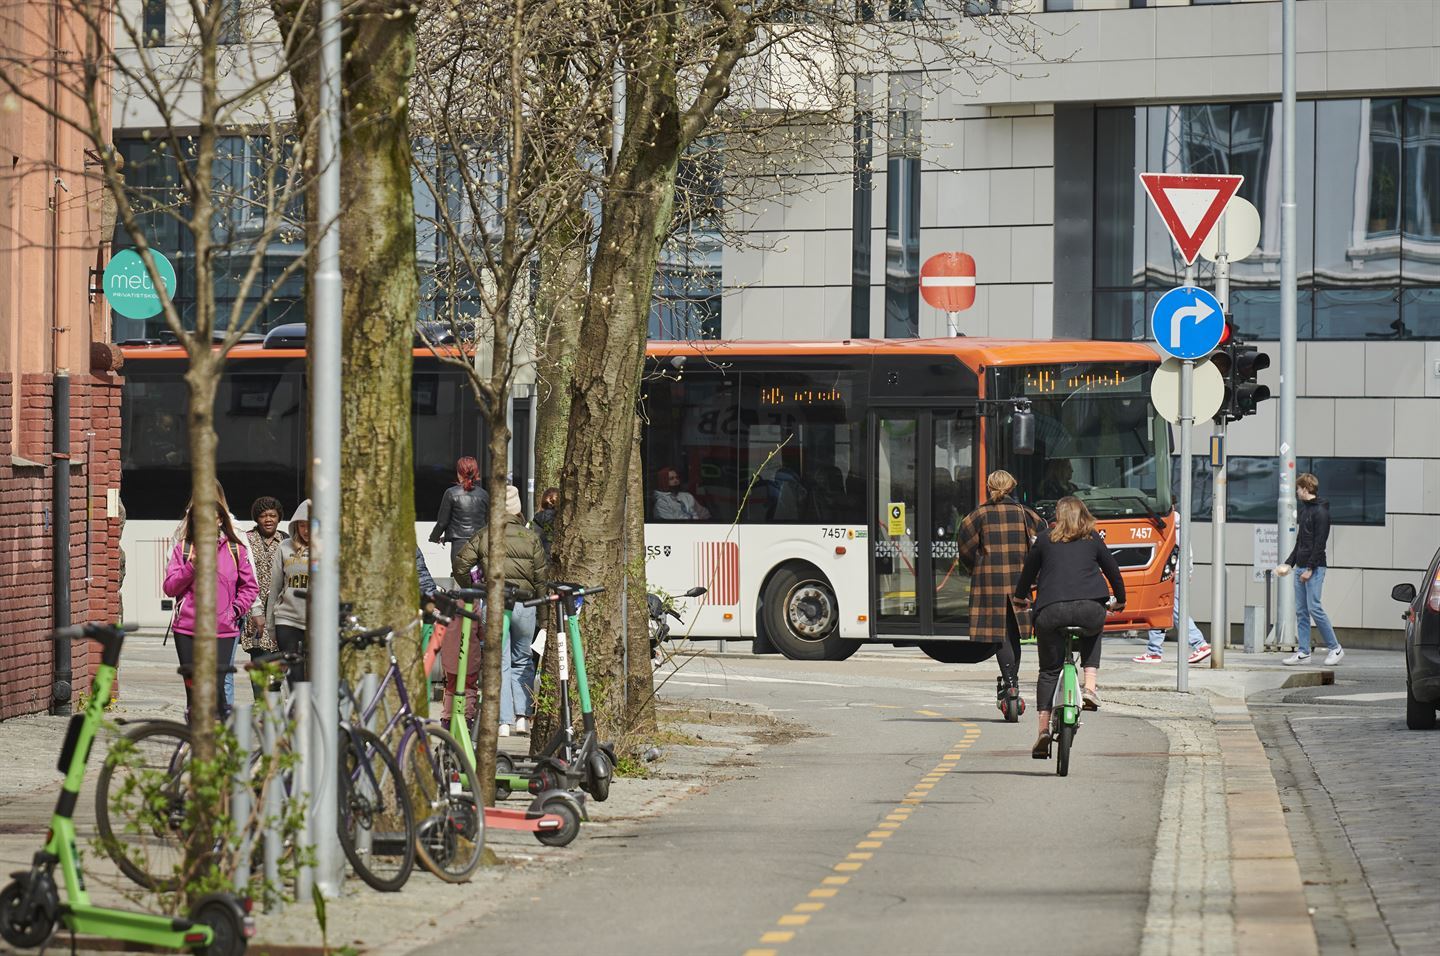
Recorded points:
947,281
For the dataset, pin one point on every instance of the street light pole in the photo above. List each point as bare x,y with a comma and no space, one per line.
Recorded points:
325,338
1285,519
1219,481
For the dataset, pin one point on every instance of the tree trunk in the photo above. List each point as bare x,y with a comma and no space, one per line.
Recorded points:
640,673
561,309
203,808
608,366
377,232
494,558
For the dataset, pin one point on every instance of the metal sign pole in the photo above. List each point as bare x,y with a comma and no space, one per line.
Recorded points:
325,335
1285,523
1182,583
1219,481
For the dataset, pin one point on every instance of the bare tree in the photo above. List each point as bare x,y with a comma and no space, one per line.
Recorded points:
764,82
508,99
211,89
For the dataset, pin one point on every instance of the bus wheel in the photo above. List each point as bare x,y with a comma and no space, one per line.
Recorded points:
958,652
802,616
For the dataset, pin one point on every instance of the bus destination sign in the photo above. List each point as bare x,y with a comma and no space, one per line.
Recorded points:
1068,379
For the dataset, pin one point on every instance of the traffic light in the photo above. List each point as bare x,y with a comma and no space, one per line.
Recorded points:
1240,366
1245,393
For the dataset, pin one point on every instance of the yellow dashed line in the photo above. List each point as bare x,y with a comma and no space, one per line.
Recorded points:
855,861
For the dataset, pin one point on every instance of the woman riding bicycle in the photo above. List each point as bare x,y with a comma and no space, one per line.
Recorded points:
1072,566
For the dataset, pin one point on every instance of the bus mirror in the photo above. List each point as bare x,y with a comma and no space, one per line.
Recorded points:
1022,432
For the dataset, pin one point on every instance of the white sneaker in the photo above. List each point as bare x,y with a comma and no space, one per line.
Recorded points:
504,730
1336,653
522,726
1296,658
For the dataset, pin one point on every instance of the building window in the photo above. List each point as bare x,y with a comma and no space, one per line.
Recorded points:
1354,488
902,207
861,220
232,23
1368,186
687,303
907,9
152,22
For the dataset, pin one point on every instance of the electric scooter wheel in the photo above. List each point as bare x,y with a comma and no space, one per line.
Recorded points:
598,774
21,929
1065,739
1014,707
504,766
227,932
569,828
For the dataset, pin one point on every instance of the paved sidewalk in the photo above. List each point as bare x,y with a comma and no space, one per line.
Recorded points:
727,738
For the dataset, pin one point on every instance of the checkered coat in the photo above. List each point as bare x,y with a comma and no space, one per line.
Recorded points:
993,540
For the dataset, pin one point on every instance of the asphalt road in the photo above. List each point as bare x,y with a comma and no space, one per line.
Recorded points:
911,818
1363,795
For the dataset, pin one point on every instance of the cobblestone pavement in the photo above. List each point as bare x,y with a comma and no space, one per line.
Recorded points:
1363,801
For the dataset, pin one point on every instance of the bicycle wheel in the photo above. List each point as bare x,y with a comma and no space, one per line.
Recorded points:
1066,738
377,822
141,801
450,837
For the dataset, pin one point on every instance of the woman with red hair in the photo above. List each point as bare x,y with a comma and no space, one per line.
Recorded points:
464,509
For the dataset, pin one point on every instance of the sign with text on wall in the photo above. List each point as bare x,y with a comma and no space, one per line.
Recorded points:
1267,551
896,522
127,283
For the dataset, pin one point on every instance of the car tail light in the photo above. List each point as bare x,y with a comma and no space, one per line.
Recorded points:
1434,599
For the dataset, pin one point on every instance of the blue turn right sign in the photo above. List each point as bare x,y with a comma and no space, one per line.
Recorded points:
1188,322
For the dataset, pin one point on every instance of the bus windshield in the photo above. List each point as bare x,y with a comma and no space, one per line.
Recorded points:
1097,437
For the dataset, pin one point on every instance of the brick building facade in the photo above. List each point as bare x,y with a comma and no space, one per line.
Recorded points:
53,232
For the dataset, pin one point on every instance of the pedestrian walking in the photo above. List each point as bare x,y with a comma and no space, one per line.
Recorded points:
228,664
1069,567
1308,558
524,566
264,541
464,508
544,520
993,541
236,591
1199,649
290,572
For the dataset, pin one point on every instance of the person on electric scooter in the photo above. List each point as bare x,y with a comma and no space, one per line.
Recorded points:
1069,567
993,541
525,567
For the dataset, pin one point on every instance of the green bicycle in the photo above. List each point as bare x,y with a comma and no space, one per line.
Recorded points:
1065,714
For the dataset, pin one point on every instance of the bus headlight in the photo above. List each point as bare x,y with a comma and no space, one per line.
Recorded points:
1171,564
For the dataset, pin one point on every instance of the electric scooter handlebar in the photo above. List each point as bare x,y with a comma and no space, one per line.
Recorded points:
111,637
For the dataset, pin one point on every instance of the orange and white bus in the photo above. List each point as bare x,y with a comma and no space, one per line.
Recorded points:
820,485
814,488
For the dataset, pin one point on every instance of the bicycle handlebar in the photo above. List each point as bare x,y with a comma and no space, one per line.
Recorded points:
367,639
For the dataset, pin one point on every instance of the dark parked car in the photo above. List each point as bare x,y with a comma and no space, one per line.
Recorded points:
1422,647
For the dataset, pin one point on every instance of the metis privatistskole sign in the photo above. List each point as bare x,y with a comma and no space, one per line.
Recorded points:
127,284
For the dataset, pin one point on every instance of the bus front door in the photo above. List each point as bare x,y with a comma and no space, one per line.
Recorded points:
924,485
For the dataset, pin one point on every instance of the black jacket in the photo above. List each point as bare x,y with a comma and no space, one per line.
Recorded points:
1311,535
462,513
1070,571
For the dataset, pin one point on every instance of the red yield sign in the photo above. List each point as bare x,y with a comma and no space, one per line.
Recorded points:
1190,205
947,281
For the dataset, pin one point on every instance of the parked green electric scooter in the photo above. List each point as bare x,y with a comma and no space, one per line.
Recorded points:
30,907
554,815
565,764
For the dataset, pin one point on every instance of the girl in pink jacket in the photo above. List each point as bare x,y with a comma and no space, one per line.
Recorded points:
235,593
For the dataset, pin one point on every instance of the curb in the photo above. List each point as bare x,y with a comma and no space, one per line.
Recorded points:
100,944
1272,917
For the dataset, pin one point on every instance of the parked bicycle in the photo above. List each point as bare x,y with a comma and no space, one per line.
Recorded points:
142,794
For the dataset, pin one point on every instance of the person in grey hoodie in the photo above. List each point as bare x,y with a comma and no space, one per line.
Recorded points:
290,572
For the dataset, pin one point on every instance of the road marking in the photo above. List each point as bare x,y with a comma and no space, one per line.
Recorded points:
1382,695
689,683
757,679
855,861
